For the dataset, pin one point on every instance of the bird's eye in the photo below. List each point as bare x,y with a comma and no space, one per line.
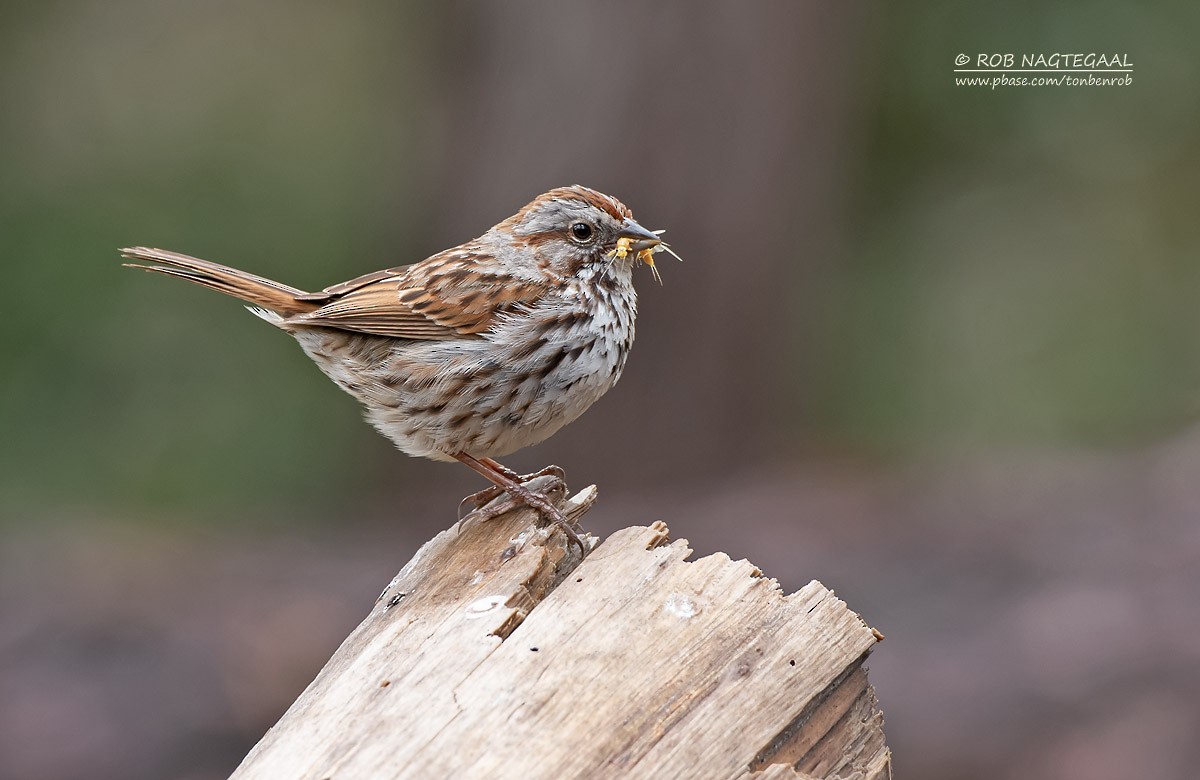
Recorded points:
581,232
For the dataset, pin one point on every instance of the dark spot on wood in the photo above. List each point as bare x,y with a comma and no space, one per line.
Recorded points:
385,683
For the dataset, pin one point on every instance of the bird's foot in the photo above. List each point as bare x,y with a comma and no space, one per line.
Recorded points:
478,500
504,501
510,483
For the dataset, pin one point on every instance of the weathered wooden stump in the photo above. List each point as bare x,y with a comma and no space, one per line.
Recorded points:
497,653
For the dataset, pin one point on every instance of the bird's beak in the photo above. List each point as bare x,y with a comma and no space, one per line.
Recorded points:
642,239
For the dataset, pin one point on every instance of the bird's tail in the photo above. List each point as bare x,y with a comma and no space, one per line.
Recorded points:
272,296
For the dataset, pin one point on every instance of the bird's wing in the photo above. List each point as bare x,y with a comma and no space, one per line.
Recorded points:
453,294
337,290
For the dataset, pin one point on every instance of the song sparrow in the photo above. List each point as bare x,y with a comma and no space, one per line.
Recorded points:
479,350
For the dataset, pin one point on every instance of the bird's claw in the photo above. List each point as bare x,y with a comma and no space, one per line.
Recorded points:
482,498
487,507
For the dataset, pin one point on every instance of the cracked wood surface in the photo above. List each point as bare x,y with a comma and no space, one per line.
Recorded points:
497,653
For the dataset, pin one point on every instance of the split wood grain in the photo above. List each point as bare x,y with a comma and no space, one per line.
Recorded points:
497,653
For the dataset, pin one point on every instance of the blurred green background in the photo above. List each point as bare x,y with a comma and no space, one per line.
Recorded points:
887,276
1007,268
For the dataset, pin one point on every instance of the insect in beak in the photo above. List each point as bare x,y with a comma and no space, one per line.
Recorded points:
644,244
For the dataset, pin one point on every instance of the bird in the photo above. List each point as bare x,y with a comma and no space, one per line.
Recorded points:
477,351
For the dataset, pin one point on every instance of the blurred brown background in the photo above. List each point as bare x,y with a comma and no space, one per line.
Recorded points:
935,346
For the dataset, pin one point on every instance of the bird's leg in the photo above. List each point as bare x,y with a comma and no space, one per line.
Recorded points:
476,500
549,471
487,470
